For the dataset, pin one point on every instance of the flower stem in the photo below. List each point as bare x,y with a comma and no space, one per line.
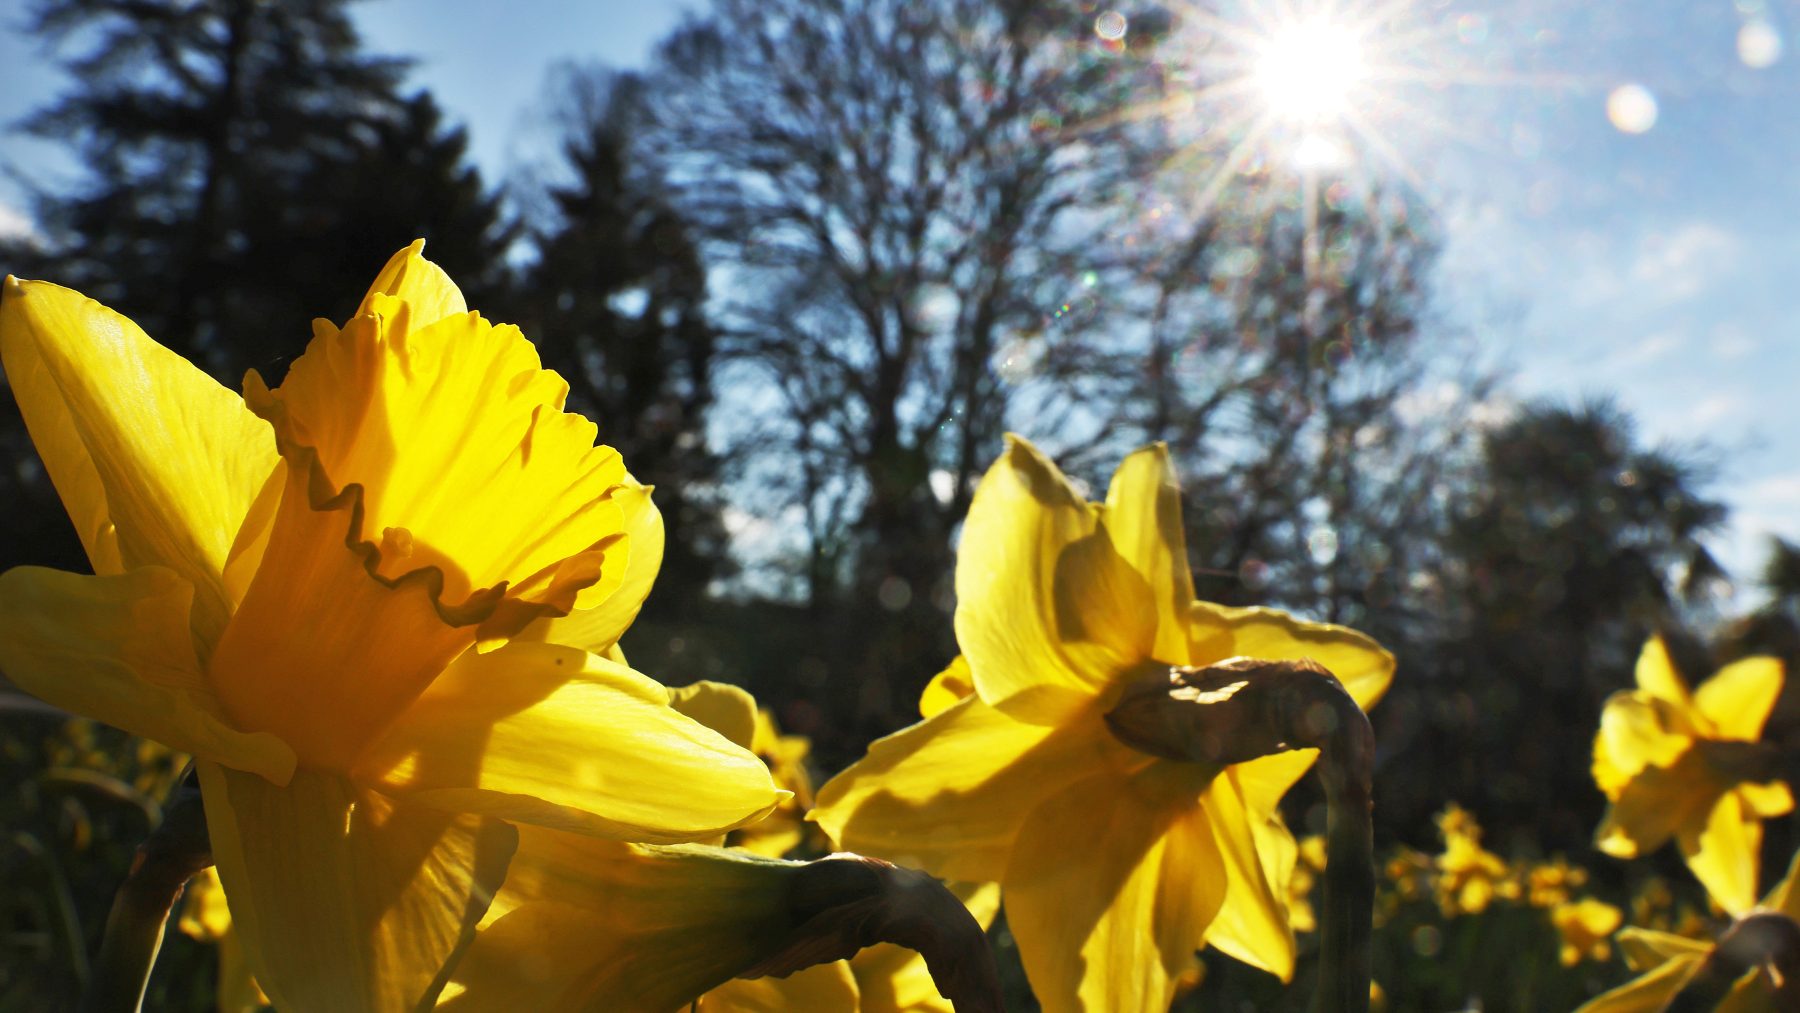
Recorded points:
844,902
176,850
1245,708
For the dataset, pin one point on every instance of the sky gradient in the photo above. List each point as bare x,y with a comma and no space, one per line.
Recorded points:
1658,266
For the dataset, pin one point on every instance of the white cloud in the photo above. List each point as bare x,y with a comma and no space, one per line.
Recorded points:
1678,264
16,224
1712,410
1644,352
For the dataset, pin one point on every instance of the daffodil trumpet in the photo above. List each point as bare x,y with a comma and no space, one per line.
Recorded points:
1242,709
174,852
1761,939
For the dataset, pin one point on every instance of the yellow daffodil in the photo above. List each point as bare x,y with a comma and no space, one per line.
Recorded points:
593,924
312,589
1548,884
1683,765
1666,962
1469,877
1585,926
1115,866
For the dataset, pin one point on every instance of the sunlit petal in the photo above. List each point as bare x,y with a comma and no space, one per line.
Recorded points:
156,463
544,734
1658,676
1259,854
1647,994
118,649
1737,700
598,628
948,795
344,899
1143,514
1218,632
1048,612
947,688
1634,734
1116,929
1724,854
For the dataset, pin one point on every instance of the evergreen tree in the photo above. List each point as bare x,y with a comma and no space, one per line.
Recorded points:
1567,549
248,168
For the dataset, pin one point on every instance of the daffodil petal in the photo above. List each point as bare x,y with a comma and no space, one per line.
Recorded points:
1765,801
1143,514
1266,779
1785,897
585,923
119,649
1259,855
1724,854
1648,993
421,285
1657,675
1116,928
947,688
346,900
1658,803
1218,632
156,462
1738,698
1633,735
948,795
595,629
726,709
1647,948
829,986
549,735
1048,613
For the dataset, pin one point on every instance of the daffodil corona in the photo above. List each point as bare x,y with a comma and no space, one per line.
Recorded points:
334,594
1115,866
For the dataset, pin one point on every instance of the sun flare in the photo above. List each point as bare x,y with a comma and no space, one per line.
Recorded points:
1308,72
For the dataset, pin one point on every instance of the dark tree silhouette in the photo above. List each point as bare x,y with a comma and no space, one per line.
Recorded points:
615,301
1567,549
889,189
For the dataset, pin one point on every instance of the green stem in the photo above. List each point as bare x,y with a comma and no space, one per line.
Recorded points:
173,853
1346,767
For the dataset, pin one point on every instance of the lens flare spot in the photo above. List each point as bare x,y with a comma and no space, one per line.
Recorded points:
1758,44
1110,25
1631,108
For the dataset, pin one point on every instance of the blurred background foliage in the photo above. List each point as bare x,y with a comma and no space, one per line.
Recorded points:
805,297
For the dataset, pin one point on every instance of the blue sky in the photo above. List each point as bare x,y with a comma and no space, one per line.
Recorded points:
1659,266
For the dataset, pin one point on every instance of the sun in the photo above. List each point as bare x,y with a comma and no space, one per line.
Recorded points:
1308,72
